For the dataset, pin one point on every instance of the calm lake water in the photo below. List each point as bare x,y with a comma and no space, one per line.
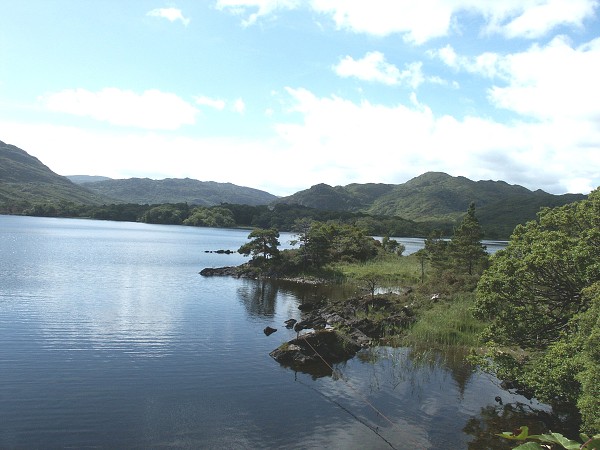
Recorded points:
109,338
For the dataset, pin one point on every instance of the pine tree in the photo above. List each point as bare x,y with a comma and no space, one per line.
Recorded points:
466,249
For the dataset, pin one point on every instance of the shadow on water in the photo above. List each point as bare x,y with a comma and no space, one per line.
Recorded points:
437,392
494,419
259,297
434,391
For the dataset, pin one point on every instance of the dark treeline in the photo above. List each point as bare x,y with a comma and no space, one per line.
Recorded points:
280,216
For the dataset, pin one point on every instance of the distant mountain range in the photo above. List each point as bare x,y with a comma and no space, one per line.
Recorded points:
433,197
25,181
177,190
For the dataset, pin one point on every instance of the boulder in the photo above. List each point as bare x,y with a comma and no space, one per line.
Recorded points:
220,271
315,353
269,330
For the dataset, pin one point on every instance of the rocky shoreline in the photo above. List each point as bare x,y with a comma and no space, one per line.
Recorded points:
334,331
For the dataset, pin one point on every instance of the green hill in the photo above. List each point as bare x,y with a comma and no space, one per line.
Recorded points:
438,198
25,181
434,198
177,190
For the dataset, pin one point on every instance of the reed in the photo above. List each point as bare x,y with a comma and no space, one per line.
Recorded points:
447,323
390,269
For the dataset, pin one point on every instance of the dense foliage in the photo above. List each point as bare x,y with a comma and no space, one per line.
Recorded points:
436,198
463,255
318,244
282,217
541,296
263,245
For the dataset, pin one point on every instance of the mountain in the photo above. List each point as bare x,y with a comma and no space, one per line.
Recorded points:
24,180
177,190
436,197
353,197
81,179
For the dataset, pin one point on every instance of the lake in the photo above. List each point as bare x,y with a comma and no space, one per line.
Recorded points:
111,339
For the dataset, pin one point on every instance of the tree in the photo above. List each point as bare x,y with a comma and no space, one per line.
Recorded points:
316,243
263,245
169,214
351,243
542,294
465,247
392,245
534,286
436,249
216,216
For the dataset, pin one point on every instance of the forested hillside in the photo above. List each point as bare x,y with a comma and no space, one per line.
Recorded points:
438,198
175,190
26,184
24,181
433,200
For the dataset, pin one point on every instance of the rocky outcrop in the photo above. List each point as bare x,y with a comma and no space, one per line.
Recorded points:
316,352
231,271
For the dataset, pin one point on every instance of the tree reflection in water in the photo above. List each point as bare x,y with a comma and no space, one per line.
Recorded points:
415,366
509,417
259,297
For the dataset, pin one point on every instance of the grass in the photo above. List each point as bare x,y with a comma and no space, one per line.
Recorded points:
390,269
447,323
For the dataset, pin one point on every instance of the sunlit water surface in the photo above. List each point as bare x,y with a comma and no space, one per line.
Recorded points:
109,338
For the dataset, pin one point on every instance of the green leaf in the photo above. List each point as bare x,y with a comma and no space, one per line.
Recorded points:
557,438
594,444
520,437
529,446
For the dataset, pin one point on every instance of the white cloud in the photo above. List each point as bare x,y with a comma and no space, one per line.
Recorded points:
336,134
374,67
540,17
417,21
552,81
421,21
171,14
549,82
336,141
215,103
152,109
485,64
262,7
239,106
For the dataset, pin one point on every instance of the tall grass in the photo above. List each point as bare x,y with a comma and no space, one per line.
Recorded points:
390,269
448,323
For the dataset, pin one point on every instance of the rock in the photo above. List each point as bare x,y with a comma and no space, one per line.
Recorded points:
360,338
316,352
334,319
290,323
307,306
219,271
269,331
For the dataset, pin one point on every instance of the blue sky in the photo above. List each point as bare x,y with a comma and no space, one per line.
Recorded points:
284,94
